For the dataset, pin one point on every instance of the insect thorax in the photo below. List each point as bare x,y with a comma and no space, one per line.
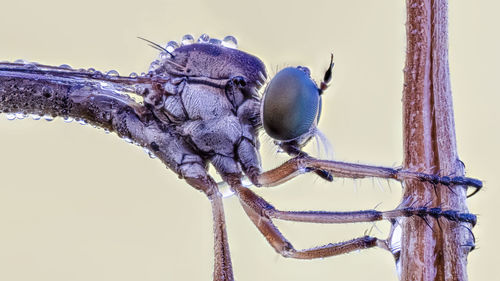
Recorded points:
211,96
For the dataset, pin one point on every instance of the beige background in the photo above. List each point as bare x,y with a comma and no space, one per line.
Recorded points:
77,204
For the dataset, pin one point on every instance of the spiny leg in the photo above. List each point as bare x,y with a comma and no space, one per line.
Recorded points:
369,215
257,208
301,164
223,270
351,217
261,212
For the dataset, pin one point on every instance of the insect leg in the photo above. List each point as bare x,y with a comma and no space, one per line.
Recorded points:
223,270
257,208
261,213
300,165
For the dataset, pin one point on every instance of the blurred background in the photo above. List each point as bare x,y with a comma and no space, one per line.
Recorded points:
77,204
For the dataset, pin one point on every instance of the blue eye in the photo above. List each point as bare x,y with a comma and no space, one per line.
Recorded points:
291,104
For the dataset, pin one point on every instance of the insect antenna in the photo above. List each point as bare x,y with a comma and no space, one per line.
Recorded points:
156,46
328,77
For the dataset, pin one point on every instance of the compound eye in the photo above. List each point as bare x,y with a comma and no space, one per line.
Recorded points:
291,105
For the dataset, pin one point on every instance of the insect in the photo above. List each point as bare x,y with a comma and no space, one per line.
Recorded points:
201,105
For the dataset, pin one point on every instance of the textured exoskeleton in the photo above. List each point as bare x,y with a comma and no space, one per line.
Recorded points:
212,99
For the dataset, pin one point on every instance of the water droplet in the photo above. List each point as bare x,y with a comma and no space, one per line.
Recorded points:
230,42
154,65
68,119
204,38
106,131
164,56
91,70
149,153
35,116
214,41
47,92
140,90
97,74
245,181
10,116
127,140
171,46
48,118
133,75
21,61
31,65
225,190
82,122
66,66
187,39
20,115
112,73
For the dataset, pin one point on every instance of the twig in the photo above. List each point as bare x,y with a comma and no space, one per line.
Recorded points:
436,253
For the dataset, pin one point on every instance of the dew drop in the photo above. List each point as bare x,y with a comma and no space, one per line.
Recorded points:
82,122
225,190
35,116
91,70
214,41
149,153
230,42
246,182
171,46
47,92
154,65
20,116
10,116
97,74
68,119
106,131
48,118
31,65
112,73
65,66
127,140
133,75
140,90
187,40
164,56
21,61
204,38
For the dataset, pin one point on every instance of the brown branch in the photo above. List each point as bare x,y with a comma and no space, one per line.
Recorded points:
433,250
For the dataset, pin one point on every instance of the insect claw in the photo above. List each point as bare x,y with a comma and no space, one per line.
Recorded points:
474,192
426,221
439,224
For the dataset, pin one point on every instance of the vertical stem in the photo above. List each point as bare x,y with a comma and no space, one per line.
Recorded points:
436,250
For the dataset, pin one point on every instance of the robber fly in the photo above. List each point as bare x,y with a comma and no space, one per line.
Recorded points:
204,103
